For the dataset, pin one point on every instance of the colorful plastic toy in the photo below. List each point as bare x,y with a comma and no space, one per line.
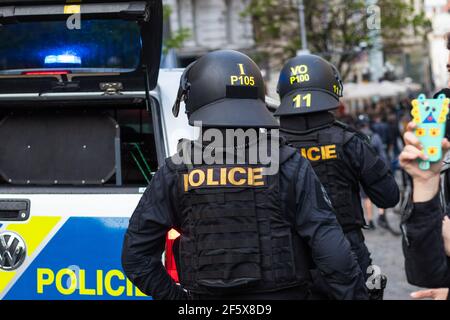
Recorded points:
430,115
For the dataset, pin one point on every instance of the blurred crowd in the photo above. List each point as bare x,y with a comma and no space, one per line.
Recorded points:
384,122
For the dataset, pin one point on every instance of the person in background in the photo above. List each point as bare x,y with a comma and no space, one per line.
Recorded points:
380,127
426,236
394,135
363,125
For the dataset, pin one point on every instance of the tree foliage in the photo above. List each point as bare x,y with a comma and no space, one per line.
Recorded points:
173,39
338,30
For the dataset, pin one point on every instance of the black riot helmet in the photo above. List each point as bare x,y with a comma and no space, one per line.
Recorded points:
362,121
308,84
224,89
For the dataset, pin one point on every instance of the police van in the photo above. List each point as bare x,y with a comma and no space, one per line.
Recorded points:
85,120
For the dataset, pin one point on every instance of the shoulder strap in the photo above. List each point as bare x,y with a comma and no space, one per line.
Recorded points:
292,192
343,125
286,152
349,132
363,137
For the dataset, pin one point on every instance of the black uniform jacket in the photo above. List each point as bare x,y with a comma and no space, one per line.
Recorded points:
383,191
315,222
372,173
426,262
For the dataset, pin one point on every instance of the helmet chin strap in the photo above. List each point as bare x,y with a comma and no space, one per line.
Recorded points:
176,105
183,90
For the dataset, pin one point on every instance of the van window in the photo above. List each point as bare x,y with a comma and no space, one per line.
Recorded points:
77,147
108,141
98,46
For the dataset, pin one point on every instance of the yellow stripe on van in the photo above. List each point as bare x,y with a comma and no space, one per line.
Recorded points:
72,9
34,232
5,279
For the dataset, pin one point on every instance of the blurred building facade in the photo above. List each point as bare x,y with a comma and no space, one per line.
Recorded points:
219,24
406,58
412,59
213,25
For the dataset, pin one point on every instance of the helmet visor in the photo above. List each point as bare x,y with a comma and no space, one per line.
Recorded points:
235,113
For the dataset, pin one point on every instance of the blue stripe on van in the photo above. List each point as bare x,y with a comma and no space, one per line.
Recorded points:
91,249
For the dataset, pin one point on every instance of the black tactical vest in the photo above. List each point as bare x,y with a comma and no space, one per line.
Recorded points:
324,149
234,237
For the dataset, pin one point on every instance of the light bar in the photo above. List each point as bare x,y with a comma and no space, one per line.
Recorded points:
62,58
45,73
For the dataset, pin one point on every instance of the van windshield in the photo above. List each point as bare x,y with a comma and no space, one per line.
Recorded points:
98,46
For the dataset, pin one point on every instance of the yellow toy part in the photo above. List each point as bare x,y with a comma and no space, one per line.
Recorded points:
420,132
415,111
434,132
432,151
443,115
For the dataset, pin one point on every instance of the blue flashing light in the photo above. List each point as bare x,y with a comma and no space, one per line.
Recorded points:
63,59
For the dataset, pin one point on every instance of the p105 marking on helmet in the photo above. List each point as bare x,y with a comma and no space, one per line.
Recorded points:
243,79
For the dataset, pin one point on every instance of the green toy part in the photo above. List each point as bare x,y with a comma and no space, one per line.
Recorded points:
430,115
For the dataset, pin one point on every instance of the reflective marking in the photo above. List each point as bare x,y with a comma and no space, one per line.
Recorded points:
36,233
241,68
72,9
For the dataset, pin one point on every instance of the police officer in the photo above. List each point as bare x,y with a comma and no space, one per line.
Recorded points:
245,234
309,87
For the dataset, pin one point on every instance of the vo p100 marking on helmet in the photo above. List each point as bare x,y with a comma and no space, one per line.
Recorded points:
299,74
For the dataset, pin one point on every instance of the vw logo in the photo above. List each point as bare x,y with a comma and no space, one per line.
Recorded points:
12,251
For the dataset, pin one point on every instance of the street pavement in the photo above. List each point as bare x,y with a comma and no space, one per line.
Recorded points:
387,253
